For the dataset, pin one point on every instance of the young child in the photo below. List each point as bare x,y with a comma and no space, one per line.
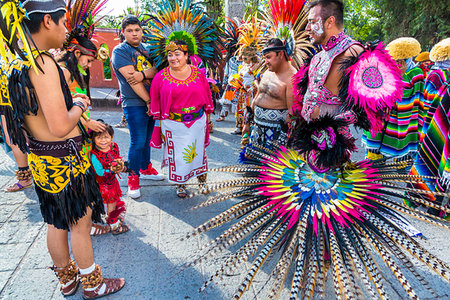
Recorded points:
107,162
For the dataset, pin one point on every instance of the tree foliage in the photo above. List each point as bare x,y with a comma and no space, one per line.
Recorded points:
427,21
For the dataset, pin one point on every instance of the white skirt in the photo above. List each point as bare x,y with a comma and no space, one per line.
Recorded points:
184,149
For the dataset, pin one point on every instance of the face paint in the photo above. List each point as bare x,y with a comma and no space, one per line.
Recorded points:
316,29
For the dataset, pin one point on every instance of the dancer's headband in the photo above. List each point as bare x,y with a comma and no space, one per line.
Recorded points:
171,46
43,6
75,46
273,48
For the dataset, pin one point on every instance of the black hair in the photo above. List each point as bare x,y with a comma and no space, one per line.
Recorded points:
330,8
276,42
130,20
108,129
34,20
71,62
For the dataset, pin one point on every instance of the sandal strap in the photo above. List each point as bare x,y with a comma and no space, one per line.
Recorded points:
66,274
113,284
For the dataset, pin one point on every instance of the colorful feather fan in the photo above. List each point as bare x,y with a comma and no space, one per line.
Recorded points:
286,20
322,225
82,17
188,22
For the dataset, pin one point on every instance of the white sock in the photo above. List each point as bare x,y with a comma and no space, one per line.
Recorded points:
89,271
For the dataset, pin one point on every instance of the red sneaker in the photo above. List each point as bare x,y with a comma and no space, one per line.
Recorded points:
134,189
151,174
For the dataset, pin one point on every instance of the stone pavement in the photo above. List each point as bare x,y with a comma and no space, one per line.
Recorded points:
151,256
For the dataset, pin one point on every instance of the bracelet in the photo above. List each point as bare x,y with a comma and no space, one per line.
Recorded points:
143,74
80,105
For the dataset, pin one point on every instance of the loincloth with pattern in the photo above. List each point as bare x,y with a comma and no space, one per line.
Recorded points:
64,181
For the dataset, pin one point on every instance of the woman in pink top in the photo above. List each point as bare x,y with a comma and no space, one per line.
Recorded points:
181,101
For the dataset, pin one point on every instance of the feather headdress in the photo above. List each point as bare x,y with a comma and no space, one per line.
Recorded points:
82,18
231,37
321,225
187,22
250,34
286,20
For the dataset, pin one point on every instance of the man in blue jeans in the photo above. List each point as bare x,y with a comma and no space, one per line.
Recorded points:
133,69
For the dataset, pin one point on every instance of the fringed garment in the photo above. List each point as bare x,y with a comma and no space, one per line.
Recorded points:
107,181
64,181
268,128
433,160
400,135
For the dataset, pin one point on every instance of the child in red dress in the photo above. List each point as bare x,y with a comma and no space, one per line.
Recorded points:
107,162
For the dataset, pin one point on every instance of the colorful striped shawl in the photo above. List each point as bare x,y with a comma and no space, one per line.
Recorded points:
434,151
401,134
434,81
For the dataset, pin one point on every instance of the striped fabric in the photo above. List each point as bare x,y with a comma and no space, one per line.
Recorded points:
433,158
401,133
434,81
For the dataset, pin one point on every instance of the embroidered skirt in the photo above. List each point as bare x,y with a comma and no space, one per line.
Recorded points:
184,149
64,181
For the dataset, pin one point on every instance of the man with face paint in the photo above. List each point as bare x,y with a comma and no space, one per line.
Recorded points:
320,95
274,97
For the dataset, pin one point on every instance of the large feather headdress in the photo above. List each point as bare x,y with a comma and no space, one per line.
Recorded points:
286,20
250,34
82,17
187,22
231,36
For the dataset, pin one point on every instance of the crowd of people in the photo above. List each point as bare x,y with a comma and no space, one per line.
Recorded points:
297,91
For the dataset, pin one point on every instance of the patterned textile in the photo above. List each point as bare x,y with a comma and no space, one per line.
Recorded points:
64,181
401,130
243,82
267,128
108,183
434,81
184,149
433,158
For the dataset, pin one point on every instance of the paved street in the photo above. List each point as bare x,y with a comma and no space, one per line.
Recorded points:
151,256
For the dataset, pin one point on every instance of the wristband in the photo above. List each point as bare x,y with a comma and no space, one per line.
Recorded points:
143,74
80,105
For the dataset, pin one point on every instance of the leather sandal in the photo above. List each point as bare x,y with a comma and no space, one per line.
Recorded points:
16,187
100,229
119,228
68,278
181,191
96,280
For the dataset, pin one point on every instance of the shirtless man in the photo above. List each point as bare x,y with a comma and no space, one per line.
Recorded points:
274,97
64,180
320,96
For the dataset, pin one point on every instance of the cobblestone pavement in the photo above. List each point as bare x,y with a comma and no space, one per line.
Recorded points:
151,256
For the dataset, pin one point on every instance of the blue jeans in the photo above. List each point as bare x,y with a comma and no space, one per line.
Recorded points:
141,128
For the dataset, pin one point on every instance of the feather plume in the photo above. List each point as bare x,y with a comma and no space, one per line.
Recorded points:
340,219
